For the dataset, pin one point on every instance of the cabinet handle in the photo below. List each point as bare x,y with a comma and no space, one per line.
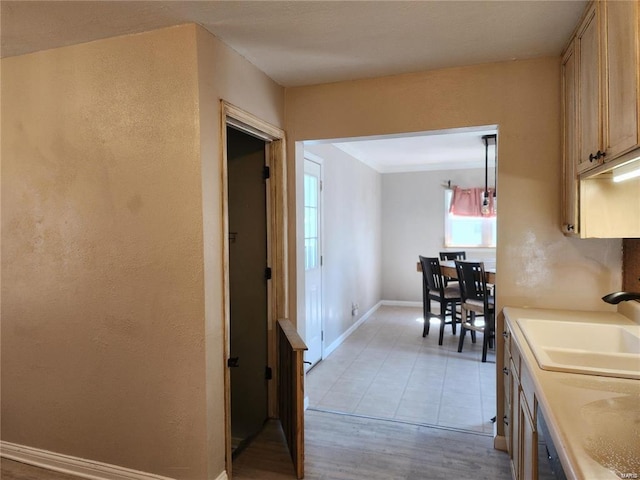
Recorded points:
597,156
505,334
570,227
505,370
505,419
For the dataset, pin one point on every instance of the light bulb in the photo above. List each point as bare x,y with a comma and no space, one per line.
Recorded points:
485,206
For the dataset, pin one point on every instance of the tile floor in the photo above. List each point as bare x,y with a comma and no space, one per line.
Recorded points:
385,369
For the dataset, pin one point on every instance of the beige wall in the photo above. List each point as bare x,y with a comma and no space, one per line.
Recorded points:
222,75
103,318
351,241
413,207
112,338
538,266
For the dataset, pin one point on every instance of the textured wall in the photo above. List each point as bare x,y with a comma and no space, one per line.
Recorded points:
222,74
413,224
113,338
352,239
102,300
537,265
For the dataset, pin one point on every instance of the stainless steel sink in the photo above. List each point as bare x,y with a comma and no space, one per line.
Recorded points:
581,347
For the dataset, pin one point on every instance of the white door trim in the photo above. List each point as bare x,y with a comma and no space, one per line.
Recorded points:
314,159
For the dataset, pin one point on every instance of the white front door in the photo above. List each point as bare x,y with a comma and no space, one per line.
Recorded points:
313,261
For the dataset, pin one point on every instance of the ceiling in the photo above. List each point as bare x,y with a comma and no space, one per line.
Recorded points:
455,149
310,42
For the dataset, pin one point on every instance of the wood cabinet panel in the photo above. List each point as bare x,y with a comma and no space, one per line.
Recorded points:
622,73
570,217
610,210
589,99
520,426
515,422
529,442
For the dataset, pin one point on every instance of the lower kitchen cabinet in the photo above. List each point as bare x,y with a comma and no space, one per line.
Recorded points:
528,441
520,416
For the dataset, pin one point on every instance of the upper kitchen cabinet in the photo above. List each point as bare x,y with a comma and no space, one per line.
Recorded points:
622,77
607,86
588,45
600,128
570,187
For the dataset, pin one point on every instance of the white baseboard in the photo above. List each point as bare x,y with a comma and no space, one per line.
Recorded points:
80,467
400,303
336,343
222,476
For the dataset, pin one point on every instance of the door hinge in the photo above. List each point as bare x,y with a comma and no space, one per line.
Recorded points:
321,185
266,173
267,273
321,260
268,374
322,336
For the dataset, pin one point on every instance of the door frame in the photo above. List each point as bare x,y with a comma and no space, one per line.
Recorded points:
277,255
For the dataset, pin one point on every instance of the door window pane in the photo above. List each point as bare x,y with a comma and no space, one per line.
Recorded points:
311,243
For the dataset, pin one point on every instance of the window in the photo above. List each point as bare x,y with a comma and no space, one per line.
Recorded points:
311,219
467,232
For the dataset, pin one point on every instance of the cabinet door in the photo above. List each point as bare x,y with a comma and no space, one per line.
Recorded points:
515,421
621,58
589,96
570,185
507,400
528,442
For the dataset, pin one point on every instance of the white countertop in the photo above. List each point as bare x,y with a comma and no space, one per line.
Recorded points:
594,421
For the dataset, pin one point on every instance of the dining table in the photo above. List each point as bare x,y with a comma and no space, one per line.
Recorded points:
448,268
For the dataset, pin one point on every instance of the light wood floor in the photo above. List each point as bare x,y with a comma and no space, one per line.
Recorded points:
346,447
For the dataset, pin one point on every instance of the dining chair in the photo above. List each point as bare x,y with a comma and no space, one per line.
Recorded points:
450,256
461,255
475,300
434,287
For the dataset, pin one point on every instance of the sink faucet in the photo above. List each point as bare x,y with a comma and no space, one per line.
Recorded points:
617,297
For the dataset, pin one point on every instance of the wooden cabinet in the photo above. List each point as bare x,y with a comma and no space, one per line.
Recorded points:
589,72
528,441
600,107
514,415
622,76
520,414
510,395
570,185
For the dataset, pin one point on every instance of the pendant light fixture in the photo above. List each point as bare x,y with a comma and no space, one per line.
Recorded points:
486,209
